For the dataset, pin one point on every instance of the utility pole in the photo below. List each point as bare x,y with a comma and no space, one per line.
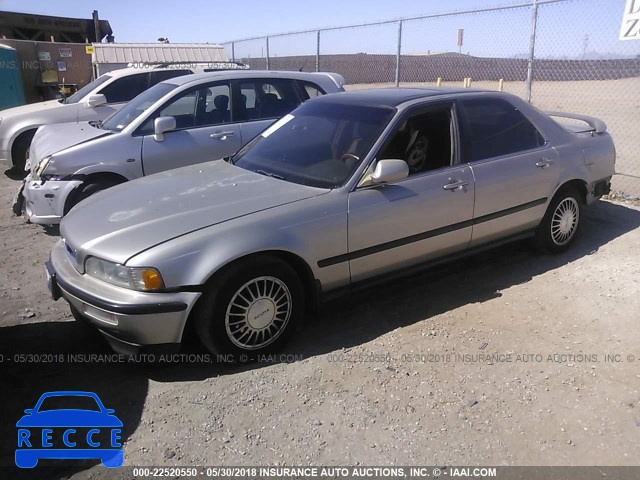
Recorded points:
96,26
532,47
585,45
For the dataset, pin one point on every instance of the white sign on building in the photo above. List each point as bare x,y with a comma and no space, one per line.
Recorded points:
630,29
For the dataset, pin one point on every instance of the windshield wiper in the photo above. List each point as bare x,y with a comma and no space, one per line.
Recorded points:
269,174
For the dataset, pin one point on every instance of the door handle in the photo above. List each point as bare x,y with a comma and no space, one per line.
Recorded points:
455,185
544,162
221,135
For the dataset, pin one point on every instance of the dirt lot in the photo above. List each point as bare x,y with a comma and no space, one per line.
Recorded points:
390,376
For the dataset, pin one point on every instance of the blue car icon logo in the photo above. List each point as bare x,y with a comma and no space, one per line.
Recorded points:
69,425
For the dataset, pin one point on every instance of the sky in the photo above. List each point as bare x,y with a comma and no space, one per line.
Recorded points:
568,29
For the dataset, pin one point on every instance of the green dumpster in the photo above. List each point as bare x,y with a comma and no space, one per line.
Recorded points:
11,91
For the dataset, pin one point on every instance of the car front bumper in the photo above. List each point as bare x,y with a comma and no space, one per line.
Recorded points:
128,319
44,201
4,158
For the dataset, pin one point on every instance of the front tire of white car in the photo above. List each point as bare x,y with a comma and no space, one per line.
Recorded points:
20,148
88,189
251,308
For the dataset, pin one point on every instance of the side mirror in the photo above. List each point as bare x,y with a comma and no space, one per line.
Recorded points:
390,171
96,100
161,125
29,411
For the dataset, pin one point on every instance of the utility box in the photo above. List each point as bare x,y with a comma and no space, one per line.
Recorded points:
11,90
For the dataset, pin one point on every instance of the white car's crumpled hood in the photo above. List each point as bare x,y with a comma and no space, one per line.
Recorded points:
124,220
50,139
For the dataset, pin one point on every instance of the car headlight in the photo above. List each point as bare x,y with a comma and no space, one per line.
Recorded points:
40,168
145,279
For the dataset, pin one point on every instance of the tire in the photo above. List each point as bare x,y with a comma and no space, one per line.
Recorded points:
20,148
85,191
561,222
251,308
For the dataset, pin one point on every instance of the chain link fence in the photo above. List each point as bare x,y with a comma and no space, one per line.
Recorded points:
558,54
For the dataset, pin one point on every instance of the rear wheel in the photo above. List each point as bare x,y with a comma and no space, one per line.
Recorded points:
251,308
561,222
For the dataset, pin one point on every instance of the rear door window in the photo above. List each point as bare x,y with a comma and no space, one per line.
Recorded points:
261,99
310,90
494,127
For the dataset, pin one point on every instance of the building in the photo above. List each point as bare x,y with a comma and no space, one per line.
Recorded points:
44,28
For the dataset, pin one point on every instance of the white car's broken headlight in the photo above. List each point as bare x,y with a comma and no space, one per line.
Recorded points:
40,168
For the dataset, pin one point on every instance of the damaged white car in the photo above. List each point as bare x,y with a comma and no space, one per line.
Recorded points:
177,122
93,102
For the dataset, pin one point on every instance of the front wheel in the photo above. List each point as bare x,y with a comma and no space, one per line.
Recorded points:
251,308
86,190
20,149
561,222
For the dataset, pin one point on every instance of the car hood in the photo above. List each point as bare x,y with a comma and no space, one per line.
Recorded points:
29,108
50,139
125,220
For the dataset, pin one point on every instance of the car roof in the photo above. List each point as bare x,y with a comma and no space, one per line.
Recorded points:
123,72
391,97
234,74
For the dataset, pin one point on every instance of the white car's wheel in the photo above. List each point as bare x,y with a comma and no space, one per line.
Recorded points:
88,189
20,148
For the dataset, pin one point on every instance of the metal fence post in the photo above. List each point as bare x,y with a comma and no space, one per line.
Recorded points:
532,47
318,51
267,38
398,53
233,51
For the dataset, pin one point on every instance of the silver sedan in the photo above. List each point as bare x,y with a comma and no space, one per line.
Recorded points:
345,189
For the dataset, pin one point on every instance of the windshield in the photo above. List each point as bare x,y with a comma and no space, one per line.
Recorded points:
132,110
318,144
76,97
66,402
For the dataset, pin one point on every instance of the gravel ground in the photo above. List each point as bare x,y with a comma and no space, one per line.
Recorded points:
393,375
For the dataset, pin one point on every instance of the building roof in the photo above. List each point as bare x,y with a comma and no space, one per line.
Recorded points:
158,53
29,26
